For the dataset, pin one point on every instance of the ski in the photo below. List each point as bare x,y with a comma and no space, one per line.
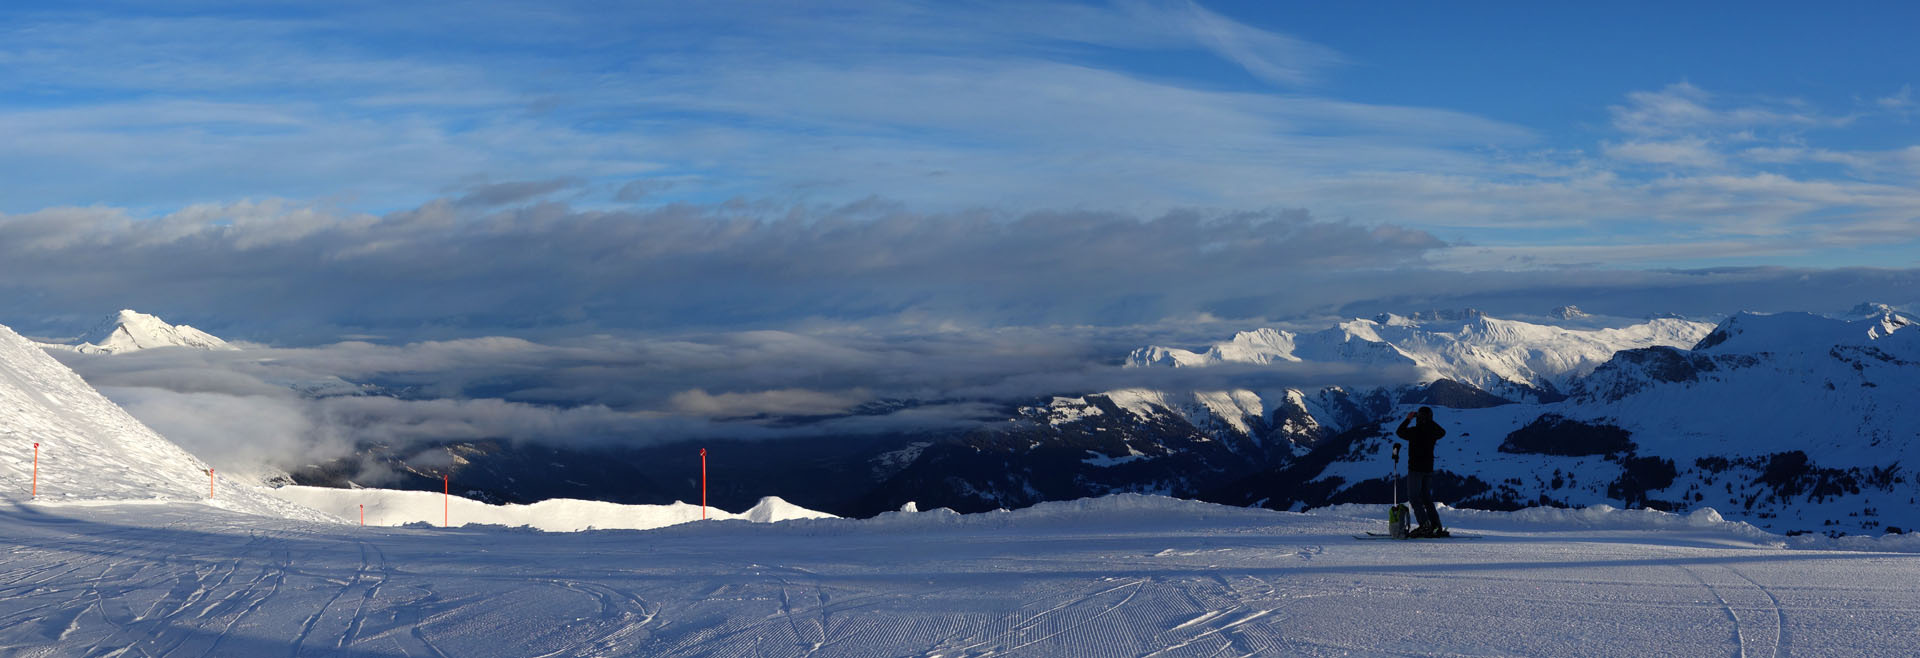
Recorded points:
1382,535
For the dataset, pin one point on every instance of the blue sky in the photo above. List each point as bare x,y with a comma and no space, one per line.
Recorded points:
1573,146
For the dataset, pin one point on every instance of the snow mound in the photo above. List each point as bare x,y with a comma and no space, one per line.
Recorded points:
774,509
91,450
132,331
387,507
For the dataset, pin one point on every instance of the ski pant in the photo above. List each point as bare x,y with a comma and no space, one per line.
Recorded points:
1420,493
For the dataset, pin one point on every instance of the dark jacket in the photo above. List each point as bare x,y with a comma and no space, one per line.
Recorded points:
1420,439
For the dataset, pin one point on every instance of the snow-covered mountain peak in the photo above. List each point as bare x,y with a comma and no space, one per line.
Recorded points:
1171,357
1257,346
1749,333
130,331
1394,320
1260,346
1569,312
1883,319
1871,310
1448,316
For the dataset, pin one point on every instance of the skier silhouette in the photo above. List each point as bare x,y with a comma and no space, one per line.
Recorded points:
1420,438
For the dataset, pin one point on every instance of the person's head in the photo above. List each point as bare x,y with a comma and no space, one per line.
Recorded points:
1425,414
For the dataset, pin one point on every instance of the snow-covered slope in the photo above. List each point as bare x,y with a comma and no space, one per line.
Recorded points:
90,450
129,331
385,507
1116,576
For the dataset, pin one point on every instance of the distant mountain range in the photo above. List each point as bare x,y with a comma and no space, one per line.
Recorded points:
1792,421
1200,443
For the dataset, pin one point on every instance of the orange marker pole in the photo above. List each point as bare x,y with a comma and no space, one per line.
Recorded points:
446,502
363,516
703,484
209,483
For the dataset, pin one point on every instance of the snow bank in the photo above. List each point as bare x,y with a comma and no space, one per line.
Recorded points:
1114,514
386,507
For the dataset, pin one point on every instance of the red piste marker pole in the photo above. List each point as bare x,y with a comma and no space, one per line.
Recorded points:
446,502
36,470
703,484
363,516
209,483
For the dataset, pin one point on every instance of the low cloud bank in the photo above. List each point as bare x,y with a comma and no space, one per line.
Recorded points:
262,409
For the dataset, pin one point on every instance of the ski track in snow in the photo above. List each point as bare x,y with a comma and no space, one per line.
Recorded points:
188,580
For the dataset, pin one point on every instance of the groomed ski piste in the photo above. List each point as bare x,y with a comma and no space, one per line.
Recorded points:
1116,576
119,543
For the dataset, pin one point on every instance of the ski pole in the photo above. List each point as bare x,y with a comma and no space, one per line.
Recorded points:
1396,475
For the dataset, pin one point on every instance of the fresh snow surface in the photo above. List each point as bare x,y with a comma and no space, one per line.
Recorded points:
1117,576
131,331
385,507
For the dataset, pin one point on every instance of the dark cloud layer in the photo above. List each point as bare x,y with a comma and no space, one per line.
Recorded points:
277,273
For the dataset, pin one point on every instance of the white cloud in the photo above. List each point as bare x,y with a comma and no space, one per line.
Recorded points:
1684,109
1270,56
1686,152
1900,102
250,436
